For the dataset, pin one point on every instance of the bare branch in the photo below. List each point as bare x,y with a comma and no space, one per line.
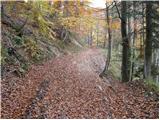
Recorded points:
117,10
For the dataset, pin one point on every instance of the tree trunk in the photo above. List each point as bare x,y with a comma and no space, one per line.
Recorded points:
104,42
148,42
133,41
109,42
130,38
97,31
91,37
143,37
125,50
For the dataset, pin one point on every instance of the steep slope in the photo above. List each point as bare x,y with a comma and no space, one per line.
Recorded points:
24,42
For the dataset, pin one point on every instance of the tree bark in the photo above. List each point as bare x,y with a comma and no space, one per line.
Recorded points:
143,37
148,42
130,37
133,42
109,42
125,50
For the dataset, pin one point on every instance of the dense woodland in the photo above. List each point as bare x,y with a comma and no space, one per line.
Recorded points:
67,59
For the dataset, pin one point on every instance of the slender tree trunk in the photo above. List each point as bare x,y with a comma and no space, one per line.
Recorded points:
143,37
104,42
97,31
130,38
109,42
125,50
2,10
133,41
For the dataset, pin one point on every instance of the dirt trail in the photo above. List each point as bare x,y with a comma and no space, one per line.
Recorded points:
70,87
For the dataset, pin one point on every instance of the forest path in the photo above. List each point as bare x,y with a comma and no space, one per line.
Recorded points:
69,87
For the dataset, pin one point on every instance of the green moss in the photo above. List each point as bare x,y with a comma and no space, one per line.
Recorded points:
18,40
25,66
152,85
4,54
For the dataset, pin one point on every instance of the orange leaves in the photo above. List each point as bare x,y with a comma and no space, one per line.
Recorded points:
59,88
69,22
115,25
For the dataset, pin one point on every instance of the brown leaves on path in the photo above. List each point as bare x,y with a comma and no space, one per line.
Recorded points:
69,87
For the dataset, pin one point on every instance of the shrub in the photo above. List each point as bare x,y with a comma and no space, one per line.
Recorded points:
152,85
18,40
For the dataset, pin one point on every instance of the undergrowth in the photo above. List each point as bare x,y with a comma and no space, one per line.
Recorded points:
152,85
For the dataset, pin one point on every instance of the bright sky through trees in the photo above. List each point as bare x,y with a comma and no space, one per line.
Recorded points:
98,3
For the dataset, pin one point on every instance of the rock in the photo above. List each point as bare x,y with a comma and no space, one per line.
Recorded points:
99,87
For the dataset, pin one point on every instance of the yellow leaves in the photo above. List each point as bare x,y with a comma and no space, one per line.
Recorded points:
115,25
69,22
39,19
31,47
43,25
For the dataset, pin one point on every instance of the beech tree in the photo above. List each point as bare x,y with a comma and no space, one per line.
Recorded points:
125,43
109,40
151,36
